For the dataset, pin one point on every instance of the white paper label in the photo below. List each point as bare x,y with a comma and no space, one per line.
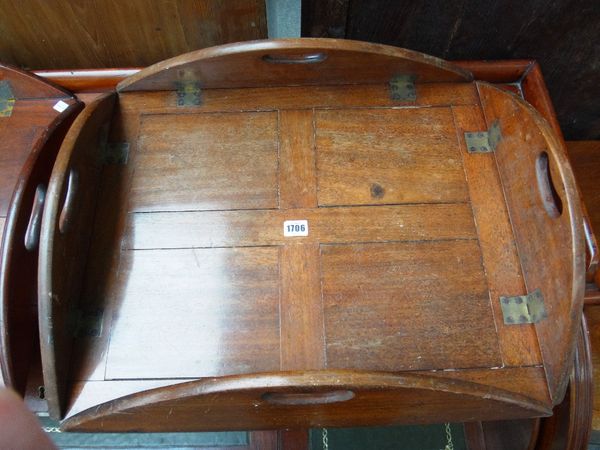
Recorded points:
60,106
293,228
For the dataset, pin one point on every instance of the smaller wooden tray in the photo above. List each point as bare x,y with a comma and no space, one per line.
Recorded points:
34,117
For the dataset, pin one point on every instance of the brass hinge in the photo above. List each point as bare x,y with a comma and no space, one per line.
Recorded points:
484,141
116,153
523,308
7,99
188,93
402,88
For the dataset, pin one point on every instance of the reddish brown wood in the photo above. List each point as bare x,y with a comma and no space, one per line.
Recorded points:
25,85
585,159
391,399
536,93
147,220
90,80
29,141
284,63
570,425
294,440
557,240
64,243
518,345
502,71
592,314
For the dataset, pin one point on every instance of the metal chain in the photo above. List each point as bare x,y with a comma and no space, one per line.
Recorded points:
326,439
449,444
51,429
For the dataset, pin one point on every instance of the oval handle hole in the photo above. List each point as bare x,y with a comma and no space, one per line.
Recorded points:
32,233
550,198
307,398
306,58
66,215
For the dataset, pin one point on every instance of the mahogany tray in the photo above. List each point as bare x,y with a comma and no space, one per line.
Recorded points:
34,117
303,233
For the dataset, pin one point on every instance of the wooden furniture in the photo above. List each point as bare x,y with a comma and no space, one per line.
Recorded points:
72,35
169,223
34,117
386,293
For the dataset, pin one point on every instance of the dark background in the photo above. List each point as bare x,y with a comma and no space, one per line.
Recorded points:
563,35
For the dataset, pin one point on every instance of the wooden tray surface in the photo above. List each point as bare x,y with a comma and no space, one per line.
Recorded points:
180,269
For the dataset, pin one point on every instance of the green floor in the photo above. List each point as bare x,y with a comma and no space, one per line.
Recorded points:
426,437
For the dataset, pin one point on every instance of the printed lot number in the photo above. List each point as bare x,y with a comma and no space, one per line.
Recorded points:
293,228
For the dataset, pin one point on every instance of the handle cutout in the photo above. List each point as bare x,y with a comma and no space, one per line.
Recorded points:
32,233
550,198
306,58
66,215
307,398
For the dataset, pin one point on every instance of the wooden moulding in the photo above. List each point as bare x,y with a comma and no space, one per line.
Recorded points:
65,235
550,241
34,132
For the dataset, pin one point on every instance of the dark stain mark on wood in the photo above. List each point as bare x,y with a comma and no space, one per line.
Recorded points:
377,191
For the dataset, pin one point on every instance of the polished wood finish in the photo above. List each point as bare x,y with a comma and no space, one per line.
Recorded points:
64,243
87,80
378,399
540,234
29,141
570,424
283,63
567,429
185,251
67,35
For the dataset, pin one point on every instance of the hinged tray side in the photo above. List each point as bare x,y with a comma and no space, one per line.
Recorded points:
546,216
64,242
292,62
336,398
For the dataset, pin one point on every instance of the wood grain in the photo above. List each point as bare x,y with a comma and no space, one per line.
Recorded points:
224,304
519,346
379,399
387,157
98,34
338,62
297,166
301,315
18,263
585,160
63,252
175,153
326,225
263,98
407,306
29,140
557,241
